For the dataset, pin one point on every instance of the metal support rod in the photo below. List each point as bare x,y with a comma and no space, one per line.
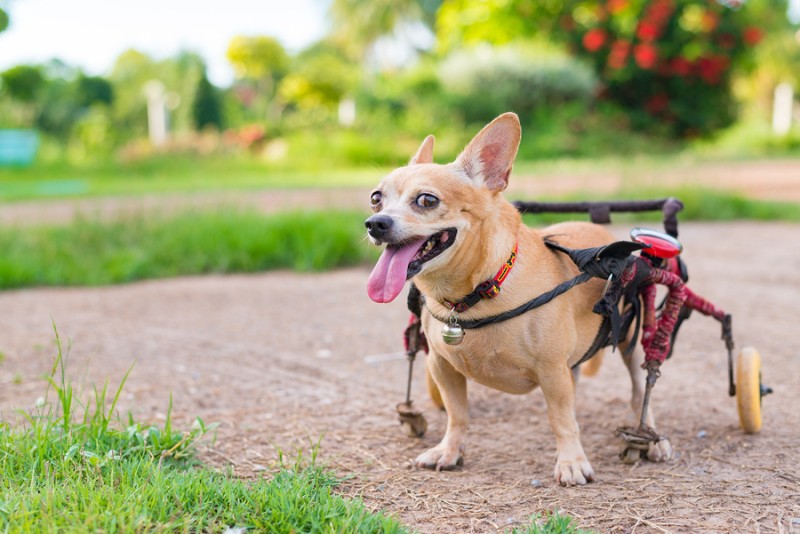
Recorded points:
411,358
727,336
600,211
652,376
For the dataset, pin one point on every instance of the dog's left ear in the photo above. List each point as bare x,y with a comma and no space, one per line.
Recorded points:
490,155
425,152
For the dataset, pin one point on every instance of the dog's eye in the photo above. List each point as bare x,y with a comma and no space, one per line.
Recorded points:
375,199
426,200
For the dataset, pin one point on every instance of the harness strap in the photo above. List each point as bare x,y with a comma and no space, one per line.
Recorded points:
607,262
519,310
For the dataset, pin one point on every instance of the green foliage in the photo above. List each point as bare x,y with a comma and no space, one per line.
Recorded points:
359,24
187,170
553,523
496,22
321,76
485,82
4,20
93,90
207,106
258,57
74,468
133,70
573,131
667,61
669,64
94,252
23,82
67,438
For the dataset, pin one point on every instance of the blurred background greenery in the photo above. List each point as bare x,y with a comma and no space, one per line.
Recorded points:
619,98
589,79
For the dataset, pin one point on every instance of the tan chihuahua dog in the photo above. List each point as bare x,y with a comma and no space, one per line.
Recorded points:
449,228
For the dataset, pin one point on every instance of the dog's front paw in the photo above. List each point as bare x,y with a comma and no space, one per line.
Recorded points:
576,471
661,451
440,458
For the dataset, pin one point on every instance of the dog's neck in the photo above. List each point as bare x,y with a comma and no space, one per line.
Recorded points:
472,265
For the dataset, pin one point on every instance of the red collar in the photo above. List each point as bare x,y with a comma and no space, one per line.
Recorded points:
487,289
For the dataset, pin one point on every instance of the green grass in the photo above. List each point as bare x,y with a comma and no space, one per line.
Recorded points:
553,523
174,173
93,252
73,467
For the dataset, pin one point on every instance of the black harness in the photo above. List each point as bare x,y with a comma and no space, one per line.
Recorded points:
606,262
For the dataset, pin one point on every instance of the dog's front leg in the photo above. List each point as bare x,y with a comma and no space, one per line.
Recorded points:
453,387
572,466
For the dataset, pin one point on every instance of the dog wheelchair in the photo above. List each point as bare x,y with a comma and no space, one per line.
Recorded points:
629,309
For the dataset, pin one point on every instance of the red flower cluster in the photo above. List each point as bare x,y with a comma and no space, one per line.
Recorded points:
653,54
752,36
655,19
594,39
645,55
711,68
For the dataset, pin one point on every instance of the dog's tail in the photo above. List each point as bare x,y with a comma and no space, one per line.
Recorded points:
592,367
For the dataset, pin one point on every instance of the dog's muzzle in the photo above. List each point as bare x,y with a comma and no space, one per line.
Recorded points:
379,226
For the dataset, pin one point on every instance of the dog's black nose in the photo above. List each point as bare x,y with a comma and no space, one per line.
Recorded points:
378,225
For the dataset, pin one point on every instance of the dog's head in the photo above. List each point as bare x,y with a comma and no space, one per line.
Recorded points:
427,214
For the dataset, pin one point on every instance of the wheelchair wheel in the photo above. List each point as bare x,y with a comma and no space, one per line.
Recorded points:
748,389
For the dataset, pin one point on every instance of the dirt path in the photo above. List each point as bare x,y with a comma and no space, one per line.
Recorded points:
282,360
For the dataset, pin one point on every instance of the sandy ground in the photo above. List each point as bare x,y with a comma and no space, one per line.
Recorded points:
283,361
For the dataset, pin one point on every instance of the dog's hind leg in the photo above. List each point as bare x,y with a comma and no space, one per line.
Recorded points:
592,367
662,450
453,388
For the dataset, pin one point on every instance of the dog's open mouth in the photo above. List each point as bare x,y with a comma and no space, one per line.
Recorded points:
433,246
401,261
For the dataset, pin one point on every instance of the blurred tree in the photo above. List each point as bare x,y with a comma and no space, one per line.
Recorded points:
52,97
23,82
207,105
672,60
259,63
257,57
93,89
531,79
776,60
133,70
20,88
497,22
3,20
358,24
320,77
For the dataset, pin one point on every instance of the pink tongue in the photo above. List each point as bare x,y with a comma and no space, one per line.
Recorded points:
389,275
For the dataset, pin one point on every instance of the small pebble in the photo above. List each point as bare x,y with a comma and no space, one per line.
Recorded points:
702,434
536,483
